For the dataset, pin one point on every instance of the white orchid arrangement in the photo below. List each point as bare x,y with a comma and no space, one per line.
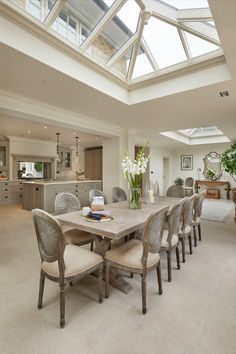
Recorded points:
133,171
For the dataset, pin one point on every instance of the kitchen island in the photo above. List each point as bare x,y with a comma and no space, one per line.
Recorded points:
42,194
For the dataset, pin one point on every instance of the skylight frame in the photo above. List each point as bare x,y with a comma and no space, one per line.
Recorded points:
157,72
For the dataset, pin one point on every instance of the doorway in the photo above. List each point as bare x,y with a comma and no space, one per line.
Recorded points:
165,174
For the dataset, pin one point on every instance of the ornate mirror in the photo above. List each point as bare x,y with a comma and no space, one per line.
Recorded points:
212,166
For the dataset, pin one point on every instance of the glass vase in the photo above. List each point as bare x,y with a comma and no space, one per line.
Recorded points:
152,192
134,197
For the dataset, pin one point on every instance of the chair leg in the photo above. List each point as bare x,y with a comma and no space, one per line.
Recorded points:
190,244
62,305
144,305
100,288
159,279
107,275
131,275
195,236
169,265
183,249
177,257
199,232
91,246
41,288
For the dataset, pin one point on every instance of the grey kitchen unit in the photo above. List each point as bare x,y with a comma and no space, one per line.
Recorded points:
11,192
42,194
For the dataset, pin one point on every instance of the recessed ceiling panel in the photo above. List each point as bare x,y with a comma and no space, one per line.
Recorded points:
164,43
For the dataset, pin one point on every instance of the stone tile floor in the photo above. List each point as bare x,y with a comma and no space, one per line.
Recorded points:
195,315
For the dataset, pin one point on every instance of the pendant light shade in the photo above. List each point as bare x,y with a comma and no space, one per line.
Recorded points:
77,146
58,148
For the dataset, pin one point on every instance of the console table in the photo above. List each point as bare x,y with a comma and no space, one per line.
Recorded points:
213,184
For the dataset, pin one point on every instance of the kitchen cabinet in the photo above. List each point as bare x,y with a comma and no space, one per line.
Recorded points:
11,192
65,162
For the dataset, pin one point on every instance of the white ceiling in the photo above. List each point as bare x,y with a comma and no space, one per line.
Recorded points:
25,76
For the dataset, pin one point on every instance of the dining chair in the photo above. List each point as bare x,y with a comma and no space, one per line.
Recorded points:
197,215
67,203
62,263
140,256
170,238
118,195
187,223
175,191
188,186
96,193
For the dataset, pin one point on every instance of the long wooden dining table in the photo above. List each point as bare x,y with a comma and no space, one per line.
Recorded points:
126,221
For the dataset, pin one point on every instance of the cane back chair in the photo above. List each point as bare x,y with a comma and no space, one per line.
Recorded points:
197,215
62,263
118,195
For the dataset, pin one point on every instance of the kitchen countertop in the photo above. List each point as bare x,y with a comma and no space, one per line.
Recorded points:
58,182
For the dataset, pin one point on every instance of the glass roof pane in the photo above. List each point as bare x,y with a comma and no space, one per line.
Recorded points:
37,8
202,131
142,65
157,35
187,4
198,46
122,65
118,31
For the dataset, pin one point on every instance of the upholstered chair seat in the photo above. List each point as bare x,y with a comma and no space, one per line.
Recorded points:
174,240
130,253
187,229
76,259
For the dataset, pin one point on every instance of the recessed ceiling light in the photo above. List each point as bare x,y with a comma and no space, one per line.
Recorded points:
96,138
45,127
74,133
43,81
28,131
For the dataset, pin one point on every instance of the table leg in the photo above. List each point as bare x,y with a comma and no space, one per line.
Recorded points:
116,280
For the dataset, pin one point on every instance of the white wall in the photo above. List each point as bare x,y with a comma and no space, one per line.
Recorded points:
199,152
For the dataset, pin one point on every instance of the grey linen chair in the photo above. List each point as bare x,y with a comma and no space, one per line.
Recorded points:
175,191
197,216
187,223
118,195
170,238
96,193
60,262
67,203
188,186
140,256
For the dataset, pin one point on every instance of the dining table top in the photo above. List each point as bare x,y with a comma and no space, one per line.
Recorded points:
126,221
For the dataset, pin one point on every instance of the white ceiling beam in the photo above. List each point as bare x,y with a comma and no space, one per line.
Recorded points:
184,44
136,47
122,50
149,55
57,7
194,15
168,15
102,24
141,4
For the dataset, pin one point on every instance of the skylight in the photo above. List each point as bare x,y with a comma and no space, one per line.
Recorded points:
196,136
130,41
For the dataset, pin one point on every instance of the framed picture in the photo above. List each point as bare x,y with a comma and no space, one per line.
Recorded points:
186,162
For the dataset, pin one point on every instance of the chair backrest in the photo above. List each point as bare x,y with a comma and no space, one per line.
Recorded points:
96,193
174,220
153,232
189,210
50,236
118,195
175,191
189,182
66,203
199,202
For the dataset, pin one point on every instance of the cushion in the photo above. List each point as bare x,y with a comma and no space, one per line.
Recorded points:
74,236
77,260
197,221
129,254
164,242
186,231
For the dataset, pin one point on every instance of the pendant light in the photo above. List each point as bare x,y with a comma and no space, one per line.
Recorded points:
77,149
58,148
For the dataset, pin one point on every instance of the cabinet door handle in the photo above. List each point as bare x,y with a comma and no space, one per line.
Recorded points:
6,196
21,189
6,190
6,184
20,195
37,189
